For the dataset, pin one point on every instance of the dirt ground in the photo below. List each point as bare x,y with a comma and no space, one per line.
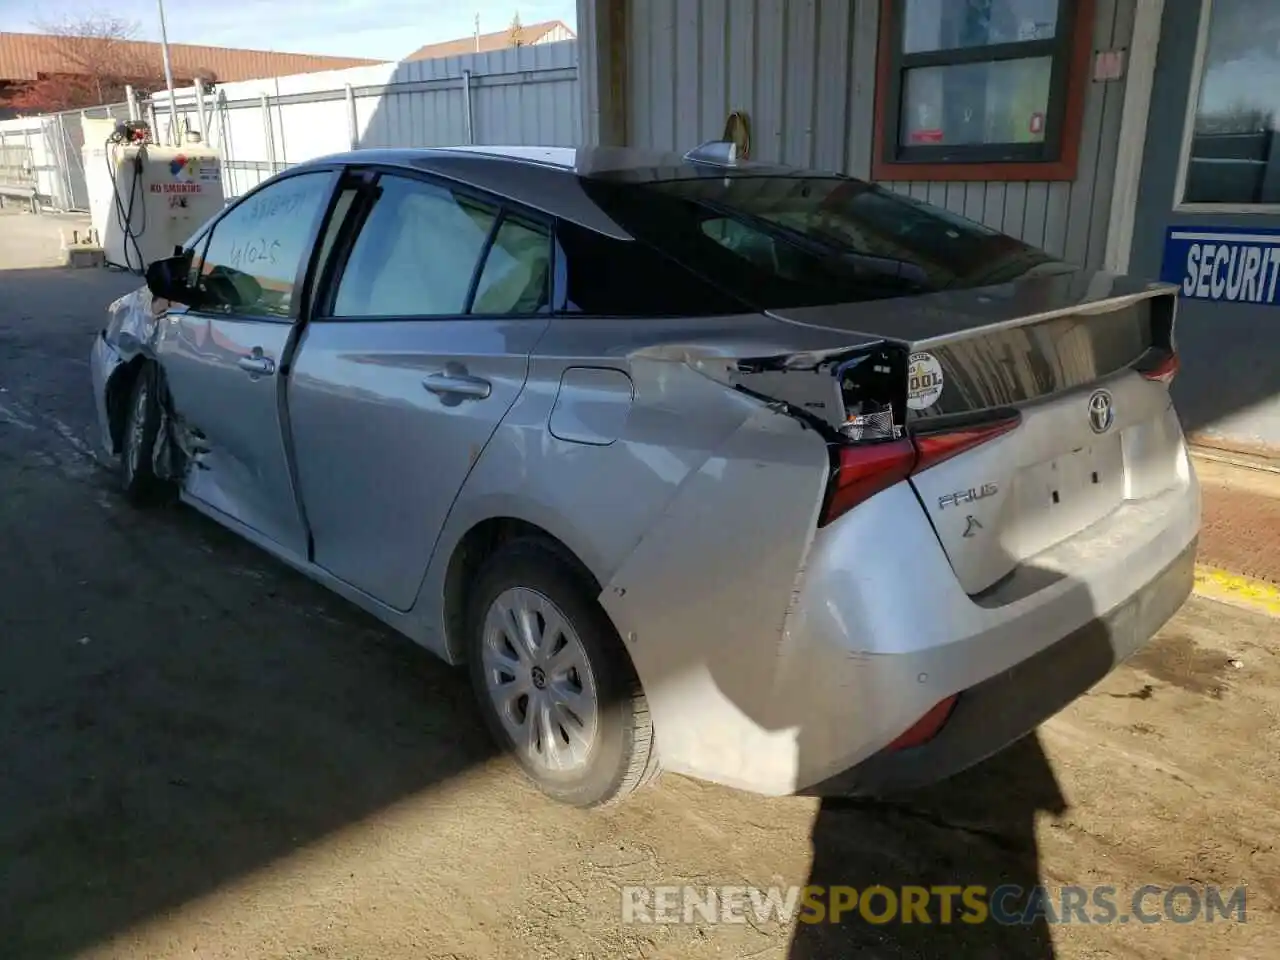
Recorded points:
204,755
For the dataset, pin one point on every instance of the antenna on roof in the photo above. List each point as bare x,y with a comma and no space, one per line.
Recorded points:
719,153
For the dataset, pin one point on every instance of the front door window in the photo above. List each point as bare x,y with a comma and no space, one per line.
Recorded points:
251,262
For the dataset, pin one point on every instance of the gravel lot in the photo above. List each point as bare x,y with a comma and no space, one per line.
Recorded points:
204,755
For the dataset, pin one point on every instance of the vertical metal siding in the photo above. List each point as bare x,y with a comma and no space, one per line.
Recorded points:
804,72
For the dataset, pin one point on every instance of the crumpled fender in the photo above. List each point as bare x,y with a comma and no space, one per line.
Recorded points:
132,330
133,323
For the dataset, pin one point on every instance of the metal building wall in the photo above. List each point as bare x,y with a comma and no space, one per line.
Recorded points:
804,71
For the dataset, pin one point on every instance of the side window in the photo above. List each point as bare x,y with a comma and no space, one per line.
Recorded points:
627,278
416,253
516,271
252,259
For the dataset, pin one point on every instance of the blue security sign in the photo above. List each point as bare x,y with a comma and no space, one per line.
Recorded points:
1227,264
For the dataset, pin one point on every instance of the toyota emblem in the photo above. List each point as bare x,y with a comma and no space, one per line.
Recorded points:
1101,412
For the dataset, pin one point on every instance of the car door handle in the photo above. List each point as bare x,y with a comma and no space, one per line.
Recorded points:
458,385
263,366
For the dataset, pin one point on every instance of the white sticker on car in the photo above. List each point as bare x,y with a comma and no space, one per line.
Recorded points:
924,381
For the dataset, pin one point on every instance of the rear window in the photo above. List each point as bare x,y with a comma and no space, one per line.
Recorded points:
789,241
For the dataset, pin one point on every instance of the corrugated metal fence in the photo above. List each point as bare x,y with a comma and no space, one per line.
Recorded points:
520,96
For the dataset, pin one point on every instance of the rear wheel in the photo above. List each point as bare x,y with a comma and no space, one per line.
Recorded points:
554,683
137,445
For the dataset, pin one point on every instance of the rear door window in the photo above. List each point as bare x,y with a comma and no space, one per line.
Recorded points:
417,253
517,271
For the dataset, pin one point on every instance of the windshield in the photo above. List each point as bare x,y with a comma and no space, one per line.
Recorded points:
788,241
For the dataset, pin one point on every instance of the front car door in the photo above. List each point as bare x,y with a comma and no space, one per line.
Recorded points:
415,353
224,361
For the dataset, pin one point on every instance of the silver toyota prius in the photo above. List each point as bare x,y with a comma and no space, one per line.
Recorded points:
765,476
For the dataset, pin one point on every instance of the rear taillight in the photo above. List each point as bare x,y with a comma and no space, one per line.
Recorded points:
927,727
863,470
1163,370
936,447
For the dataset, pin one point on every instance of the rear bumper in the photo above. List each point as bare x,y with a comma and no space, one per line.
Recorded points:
1005,707
928,640
878,631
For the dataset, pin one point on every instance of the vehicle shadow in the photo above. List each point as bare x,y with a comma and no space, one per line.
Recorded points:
977,829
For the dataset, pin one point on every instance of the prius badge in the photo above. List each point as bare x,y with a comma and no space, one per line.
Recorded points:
972,495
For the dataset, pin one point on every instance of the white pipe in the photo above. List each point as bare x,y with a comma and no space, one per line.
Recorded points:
217,115
168,78
200,111
268,131
353,122
470,120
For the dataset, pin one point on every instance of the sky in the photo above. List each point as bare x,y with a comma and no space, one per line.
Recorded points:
378,29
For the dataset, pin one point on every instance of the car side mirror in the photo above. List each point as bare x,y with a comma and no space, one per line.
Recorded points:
167,279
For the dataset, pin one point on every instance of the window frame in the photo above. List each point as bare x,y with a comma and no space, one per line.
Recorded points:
1071,49
340,254
1180,205
301,286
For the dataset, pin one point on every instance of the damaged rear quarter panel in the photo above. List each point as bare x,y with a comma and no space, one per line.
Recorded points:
702,603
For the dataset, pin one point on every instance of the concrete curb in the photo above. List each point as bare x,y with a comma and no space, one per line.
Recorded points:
1256,595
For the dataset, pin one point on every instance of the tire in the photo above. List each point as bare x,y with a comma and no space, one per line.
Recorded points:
596,755
137,444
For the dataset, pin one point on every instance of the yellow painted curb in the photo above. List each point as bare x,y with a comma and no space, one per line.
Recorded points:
1243,591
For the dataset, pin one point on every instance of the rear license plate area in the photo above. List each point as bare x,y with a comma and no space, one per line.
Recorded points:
1061,496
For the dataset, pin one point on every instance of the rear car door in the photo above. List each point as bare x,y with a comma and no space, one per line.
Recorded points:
417,350
224,361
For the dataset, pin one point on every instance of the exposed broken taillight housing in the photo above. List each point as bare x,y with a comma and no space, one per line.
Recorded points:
1164,369
861,470
927,727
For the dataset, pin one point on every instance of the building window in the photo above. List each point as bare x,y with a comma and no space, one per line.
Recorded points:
977,83
1234,153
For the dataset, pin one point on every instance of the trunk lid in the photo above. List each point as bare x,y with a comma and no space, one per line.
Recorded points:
1056,352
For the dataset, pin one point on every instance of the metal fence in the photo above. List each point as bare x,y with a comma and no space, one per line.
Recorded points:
17,169
518,96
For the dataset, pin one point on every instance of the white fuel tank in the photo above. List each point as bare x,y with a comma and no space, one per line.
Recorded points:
145,199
